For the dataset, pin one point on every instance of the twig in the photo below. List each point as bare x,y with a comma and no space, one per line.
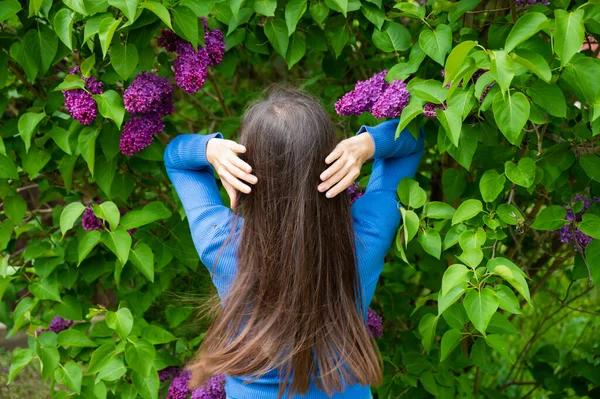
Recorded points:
19,74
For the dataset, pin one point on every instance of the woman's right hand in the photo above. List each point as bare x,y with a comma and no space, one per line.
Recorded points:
223,156
349,156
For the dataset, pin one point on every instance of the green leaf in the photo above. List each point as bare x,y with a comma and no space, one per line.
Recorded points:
70,375
276,32
49,359
21,358
150,213
394,37
8,8
127,7
27,125
110,105
338,36
472,256
454,275
186,24
143,258
523,174
69,215
72,337
410,112
480,307
436,44
319,11
108,211
592,255
47,288
502,69
569,34
550,218
63,26
411,194
157,335
511,273
456,59
343,5
534,62
498,342
507,300
509,214
106,31
159,10
438,210
71,82
27,59
121,321
450,340
467,210
147,387
501,325
119,242
453,183
61,138
511,113
294,10
525,27
491,185
139,356
114,370
550,97
265,7
124,59
296,50
8,170
15,208
374,14
410,224
429,90
427,327
444,302
87,65
87,242
590,225
431,242
472,238
86,144
590,163
451,119
101,357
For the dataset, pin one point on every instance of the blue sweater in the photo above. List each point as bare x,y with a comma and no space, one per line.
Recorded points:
375,215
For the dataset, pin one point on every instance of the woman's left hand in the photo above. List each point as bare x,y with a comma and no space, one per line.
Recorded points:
223,156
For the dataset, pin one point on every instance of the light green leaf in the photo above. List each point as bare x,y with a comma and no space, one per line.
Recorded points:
276,32
86,144
502,69
590,164
509,214
472,257
121,321
143,258
480,307
550,218
522,174
69,215
70,375
186,24
101,357
157,335
569,34
450,340
61,138
429,90
501,325
444,302
491,185
427,327
87,242
467,210
507,300
139,356
534,62
265,7
318,11
147,387
436,44
15,208
550,97
114,370
72,337
124,59
438,210
410,112
456,59
63,26
343,5
511,273
159,10
27,125
119,242
454,275
394,37
108,211
150,213
110,105
294,10
411,194
106,31
128,7
9,8
431,242
49,359
498,342
590,225
451,119
410,224
87,65
21,358
8,170
511,113
525,27
373,14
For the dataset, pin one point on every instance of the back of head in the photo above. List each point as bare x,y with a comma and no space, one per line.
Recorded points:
293,304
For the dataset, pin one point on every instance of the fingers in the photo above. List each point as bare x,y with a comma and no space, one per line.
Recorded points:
235,182
335,154
239,173
235,147
240,164
343,171
333,169
232,192
342,185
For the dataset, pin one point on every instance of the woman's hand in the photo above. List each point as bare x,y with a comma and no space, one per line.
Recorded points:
222,155
349,156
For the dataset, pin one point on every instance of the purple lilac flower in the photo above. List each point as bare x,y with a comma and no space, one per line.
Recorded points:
392,101
213,389
364,95
57,325
190,67
477,74
570,233
167,373
354,192
179,386
429,109
485,92
214,44
524,3
81,105
374,324
169,40
138,133
149,93
89,221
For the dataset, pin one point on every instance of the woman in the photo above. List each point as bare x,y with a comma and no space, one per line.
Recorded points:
296,274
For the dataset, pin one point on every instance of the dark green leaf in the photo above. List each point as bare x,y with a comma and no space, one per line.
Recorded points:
276,32
393,37
69,215
71,337
28,123
294,9
63,26
511,113
296,50
110,105
124,59
550,218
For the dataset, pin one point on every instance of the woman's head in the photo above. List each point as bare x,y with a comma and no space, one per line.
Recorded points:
293,303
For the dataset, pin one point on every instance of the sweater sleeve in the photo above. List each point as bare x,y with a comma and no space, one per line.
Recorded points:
376,215
193,179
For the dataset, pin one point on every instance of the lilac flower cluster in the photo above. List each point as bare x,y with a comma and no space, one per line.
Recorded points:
79,102
429,109
363,96
89,221
523,3
149,97
392,101
190,66
57,325
167,373
570,233
354,192
374,324
485,92
214,388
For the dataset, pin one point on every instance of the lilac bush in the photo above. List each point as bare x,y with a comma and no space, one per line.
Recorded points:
392,101
79,103
90,221
149,93
363,96
570,233
429,109
179,386
138,133
57,325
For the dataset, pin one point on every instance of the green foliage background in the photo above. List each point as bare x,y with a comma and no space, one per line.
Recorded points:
479,296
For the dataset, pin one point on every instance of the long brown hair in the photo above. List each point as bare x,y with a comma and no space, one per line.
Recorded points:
295,302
